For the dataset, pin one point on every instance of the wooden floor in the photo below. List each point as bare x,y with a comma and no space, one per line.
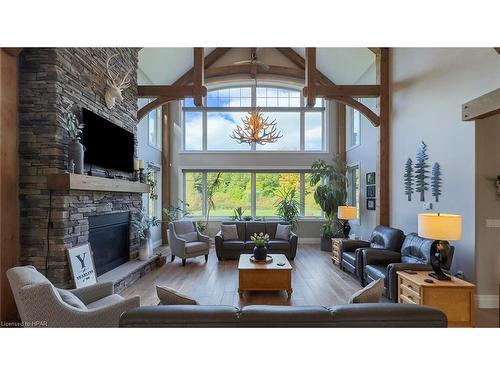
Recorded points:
315,281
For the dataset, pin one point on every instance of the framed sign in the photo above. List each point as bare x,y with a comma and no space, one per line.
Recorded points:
370,191
82,266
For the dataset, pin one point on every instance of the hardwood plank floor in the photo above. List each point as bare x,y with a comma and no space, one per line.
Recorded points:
315,281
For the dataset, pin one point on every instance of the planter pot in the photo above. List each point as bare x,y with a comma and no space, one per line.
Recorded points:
326,243
260,252
146,247
143,250
75,153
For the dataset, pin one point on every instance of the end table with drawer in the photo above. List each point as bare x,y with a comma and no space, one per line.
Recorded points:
455,297
336,250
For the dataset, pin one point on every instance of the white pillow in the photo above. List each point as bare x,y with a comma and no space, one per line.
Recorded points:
229,232
169,296
282,232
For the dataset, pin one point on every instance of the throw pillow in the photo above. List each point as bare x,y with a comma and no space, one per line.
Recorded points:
370,293
169,296
282,232
229,232
71,299
189,237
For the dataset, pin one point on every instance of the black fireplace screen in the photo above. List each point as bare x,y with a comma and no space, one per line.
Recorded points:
109,240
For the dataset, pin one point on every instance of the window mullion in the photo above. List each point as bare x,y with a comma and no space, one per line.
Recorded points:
302,194
253,190
204,194
204,130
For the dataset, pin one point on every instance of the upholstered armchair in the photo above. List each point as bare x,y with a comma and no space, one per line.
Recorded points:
40,304
382,238
415,255
186,242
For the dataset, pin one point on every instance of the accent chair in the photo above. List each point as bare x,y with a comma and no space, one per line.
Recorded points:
186,242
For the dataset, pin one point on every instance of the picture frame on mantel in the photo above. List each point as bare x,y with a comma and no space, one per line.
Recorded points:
82,267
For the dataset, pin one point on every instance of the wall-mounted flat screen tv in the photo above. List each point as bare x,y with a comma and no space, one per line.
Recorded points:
107,145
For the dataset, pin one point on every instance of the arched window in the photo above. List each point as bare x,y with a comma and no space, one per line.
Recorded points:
209,128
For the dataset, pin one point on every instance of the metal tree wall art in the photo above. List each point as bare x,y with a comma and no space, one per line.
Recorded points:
256,129
408,176
436,181
421,171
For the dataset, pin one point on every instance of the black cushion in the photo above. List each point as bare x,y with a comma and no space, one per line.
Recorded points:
375,272
234,245
416,249
349,257
386,238
253,227
278,245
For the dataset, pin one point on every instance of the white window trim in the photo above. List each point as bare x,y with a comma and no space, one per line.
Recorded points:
352,165
302,110
349,129
253,200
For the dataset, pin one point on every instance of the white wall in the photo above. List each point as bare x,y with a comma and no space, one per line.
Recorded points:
365,154
428,87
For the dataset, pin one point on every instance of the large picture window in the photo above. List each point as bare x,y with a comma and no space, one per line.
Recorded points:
209,128
254,191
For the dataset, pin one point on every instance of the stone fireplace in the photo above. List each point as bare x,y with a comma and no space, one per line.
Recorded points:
52,220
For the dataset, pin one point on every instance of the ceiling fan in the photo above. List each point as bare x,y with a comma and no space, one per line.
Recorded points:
253,61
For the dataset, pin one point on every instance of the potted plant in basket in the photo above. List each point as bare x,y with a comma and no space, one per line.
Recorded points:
330,193
143,226
75,148
260,249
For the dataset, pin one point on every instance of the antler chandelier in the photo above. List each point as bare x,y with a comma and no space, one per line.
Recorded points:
256,129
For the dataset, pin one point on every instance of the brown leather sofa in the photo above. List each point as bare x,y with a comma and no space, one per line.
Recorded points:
244,245
353,315
413,255
382,238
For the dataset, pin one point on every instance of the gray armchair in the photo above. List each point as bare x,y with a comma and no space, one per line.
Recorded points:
40,304
186,242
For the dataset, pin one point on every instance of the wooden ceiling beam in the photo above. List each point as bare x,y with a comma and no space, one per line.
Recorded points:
152,105
199,89
310,70
210,59
484,106
220,71
154,91
353,103
357,91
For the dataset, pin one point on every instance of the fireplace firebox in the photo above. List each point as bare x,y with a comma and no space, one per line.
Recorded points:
109,240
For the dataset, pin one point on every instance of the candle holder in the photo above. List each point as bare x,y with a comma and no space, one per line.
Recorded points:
142,176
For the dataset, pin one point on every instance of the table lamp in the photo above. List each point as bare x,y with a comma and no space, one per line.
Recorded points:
346,213
441,228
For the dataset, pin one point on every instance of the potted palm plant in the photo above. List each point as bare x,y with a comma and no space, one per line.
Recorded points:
330,193
288,206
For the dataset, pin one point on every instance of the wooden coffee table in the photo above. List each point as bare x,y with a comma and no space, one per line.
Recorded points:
265,276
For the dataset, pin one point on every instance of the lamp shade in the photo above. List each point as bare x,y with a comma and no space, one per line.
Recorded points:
347,212
438,226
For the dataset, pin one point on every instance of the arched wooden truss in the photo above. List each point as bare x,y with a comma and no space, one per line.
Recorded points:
183,87
191,84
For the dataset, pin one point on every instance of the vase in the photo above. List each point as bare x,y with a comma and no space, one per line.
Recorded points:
260,253
143,250
149,237
75,153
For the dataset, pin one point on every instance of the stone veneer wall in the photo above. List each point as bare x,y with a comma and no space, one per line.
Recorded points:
50,80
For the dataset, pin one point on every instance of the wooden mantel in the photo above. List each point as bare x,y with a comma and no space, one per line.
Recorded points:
71,181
